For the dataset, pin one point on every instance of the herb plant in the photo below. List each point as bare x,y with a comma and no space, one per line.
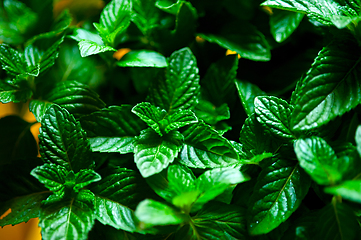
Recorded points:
176,139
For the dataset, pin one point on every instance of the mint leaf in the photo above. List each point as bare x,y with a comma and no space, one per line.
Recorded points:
358,139
319,160
151,115
153,153
350,190
318,105
205,148
143,58
145,15
181,87
280,189
336,13
88,48
9,92
169,6
211,114
70,148
274,113
72,219
247,92
112,129
181,118
76,97
85,177
284,23
114,19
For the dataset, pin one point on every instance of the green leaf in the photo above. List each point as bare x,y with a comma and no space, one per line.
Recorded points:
211,114
52,176
152,213
16,140
280,189
247,92
243,38
85,177
72,219
114,19
153,153
151,115
169,6
117,194
76,97
143,58
274,113
9,92
181,118
112,129
284,23
324,96
145,15
181,87
318,159
218,83
88,47
350,190
205,148
336,13
63,141
337,221
358,139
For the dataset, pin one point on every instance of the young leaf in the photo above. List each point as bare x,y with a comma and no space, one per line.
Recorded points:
247,93
152,213
274,113
181,86
85,177
339,14
181,118
350,190
358,139
14,93
280,189
88,47
72,219
143,58
76,97
151,115
112,129
319,160
205,148
211,114
284,23
153,153
63,141
114,19
145,15
324,96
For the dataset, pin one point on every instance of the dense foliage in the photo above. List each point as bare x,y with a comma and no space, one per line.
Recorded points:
177,139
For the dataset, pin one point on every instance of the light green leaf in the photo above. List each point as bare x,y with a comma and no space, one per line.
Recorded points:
153,153
143,58
274,113
318,159
284,23
280,189
152,213
151,115
211,114
114,19
76,97
350,190
88,47
358,139
330,88
181,87
112,129
337,13
205,148
169,6
247,92
85,177
70,220
63,141
83,34
181,118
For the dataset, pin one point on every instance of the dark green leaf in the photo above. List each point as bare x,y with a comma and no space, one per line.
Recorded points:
63,141
330,88
52,176
151,115
112,129
280,189
14,93
169,6
284,23
153,153
145,15
181,86
181,118
88,47
274,113
247,93
211,114
143,58
205,148
85,177
350,190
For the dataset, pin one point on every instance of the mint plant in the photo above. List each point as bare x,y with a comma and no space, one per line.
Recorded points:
177,139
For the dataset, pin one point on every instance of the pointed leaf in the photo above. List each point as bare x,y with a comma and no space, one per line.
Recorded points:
14,93
153,153
87,48
143,58
211,114
181,86
63,141
350,190
284,23
324,96
274,113
52,176
85,177
151,115
181,118
247,93
205,148
280,189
